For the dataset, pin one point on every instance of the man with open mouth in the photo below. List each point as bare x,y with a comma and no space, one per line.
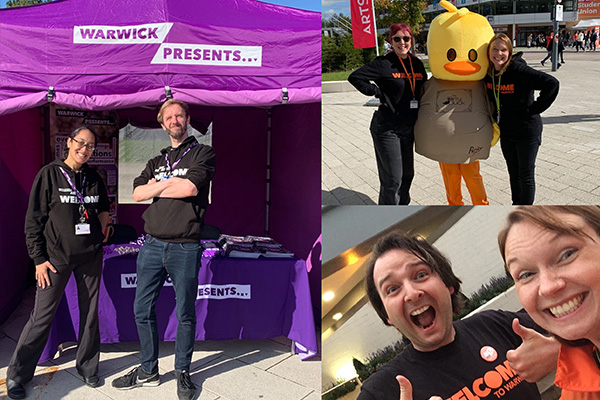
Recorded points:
490,355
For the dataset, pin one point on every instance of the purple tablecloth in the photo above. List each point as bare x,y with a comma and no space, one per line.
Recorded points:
237,299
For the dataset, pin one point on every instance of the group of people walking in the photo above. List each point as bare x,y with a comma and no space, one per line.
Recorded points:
65,235
397,79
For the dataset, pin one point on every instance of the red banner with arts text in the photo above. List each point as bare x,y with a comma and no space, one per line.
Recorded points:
363,26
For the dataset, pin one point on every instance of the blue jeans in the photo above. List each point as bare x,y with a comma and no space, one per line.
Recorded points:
547,57
395,159
182,262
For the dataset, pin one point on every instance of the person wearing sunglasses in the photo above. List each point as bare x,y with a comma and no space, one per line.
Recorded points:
396,80
64,225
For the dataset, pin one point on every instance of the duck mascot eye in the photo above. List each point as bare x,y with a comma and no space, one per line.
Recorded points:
454,126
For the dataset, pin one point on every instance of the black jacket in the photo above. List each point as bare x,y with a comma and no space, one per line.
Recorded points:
54,211
519,112
179,220
391,85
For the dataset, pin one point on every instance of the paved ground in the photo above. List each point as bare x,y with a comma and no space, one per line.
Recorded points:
223,370
568,162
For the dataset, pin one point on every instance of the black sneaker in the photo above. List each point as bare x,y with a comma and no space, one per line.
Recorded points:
185,388
136,378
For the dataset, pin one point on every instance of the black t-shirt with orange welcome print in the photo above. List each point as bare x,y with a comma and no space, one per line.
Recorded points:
473,366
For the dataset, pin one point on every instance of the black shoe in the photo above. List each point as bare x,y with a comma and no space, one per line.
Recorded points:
92,381
14,389
542,63
136,378
185,388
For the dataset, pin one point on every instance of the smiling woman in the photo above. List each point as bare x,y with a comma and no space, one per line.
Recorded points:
553,255
66,218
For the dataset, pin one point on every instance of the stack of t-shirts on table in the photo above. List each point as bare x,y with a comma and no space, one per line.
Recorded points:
269,247
252,247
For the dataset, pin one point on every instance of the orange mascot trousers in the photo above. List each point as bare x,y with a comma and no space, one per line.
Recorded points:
452,174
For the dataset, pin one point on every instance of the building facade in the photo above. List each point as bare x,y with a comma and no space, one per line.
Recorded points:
519,19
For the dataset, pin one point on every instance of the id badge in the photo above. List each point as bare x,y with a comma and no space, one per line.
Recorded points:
498,117
82,229
414,104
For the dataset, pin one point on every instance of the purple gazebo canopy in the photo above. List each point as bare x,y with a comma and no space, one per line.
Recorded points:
110,54
253,68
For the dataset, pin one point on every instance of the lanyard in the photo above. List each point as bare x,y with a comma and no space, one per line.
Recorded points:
496,93
82,211
177,162
79,195
413,82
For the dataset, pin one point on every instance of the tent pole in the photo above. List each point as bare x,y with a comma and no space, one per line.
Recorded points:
268,177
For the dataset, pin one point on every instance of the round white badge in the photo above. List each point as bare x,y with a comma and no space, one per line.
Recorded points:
488,353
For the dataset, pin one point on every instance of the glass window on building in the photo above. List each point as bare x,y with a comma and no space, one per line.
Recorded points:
488,8
504,7
569,5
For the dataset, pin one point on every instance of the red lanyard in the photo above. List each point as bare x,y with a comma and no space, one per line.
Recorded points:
413,82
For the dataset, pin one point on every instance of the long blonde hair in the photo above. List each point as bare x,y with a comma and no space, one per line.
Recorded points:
508,42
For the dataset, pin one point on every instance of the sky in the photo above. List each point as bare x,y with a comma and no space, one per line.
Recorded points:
312,5
330,7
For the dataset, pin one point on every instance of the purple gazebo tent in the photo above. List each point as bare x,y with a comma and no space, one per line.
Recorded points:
251,68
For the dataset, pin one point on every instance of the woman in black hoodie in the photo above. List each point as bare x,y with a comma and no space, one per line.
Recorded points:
396,79
510,85
64,225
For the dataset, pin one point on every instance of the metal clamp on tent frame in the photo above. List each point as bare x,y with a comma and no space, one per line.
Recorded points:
285,97
168,92
50,94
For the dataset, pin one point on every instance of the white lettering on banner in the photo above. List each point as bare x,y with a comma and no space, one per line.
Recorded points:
204,54
209,291
130,281
105,34
220,292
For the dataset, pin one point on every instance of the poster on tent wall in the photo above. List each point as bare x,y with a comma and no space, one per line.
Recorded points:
105,124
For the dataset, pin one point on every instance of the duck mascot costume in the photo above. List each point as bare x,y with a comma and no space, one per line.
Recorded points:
454,126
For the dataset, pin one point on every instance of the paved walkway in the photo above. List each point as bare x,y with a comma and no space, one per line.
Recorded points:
568,163
223,370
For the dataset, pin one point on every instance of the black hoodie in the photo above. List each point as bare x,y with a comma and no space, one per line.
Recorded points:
519,113
54,211
179,220
391,85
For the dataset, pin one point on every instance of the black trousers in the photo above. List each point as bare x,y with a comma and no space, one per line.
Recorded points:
395,159
520,161
35,334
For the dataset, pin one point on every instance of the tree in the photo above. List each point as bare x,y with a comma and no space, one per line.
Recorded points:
409,12
20,3
361,369
331,54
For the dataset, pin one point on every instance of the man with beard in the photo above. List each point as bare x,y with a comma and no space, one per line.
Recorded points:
489,355
178,182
